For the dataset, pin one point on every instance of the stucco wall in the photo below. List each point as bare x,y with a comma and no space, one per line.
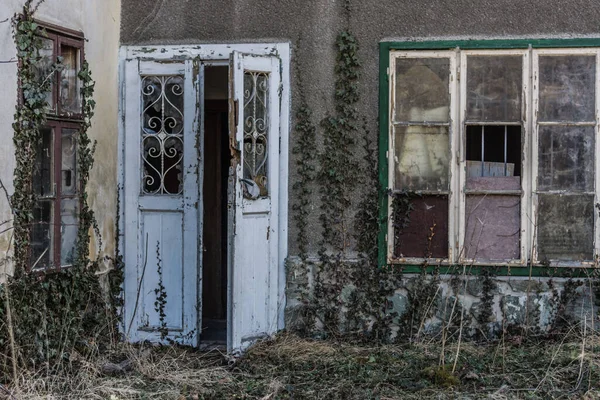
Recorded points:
312,25
99,21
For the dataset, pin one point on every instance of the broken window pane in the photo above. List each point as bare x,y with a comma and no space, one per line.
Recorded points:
493,226
565,228
256,129
69,162
43,68
493,150
566,158
43,177
494,86
422,89
69,94
567,88
42,234
421,157
162,134
422,231
69,224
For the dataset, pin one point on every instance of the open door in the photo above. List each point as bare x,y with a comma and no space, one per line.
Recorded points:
254,110
161,201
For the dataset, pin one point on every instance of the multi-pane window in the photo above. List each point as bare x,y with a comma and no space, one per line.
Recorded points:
55,179
493,152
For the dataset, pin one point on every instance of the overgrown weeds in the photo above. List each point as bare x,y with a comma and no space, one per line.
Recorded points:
289,367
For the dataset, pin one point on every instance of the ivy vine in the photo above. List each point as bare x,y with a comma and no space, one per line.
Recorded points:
50,314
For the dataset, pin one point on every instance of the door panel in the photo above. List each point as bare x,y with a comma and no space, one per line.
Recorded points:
161,201
254,118
162,248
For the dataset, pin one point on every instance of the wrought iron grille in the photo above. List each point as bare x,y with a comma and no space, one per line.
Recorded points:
162,134
256,128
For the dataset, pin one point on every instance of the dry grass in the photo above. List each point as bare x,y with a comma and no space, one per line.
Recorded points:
292,367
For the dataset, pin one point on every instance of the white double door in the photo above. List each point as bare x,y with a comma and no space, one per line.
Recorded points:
162,199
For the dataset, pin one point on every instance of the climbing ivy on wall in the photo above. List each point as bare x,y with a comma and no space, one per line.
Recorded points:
29,118
337,283
48,314
338,165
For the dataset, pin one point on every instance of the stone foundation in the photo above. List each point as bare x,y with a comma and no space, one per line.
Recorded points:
423,304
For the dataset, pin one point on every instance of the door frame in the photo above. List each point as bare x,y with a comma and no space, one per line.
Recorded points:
213,54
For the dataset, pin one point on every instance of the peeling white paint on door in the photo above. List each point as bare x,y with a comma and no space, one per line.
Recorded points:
255,93
161,202
258,228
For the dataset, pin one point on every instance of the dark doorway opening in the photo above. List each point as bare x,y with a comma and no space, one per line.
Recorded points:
216,159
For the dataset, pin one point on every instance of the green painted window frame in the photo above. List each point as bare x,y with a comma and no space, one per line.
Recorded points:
385,49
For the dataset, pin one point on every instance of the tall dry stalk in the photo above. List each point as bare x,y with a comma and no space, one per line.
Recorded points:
9,317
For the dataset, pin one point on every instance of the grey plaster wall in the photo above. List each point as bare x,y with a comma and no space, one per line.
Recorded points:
312,25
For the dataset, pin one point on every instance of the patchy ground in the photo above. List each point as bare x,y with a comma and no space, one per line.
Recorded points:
289,367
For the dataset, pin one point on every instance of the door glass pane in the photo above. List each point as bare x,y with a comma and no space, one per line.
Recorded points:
494,86
69,224
567,88
493,227
69,93
566,158
256,133
421,227
43,177
42,235
69,162
421,157
162,134
565,228
422,91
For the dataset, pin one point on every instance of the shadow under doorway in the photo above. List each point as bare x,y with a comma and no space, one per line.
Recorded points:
216,159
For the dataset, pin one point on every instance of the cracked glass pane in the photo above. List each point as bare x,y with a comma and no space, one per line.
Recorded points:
493,227
493,151
566,158
494,86
69,94
43,178
69,225
424,232
69,162
42,235
43,68
422,89
565,228
421,157
567,88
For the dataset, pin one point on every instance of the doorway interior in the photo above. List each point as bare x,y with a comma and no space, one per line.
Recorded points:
216,159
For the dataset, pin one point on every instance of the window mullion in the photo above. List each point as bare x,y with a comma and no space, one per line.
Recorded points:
390,159
529,170
461,158
534,156
597,163
57,200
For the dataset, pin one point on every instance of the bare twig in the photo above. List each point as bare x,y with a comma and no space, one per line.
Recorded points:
8,392
462,312
137,298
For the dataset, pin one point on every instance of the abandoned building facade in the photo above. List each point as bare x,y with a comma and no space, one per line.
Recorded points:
481,121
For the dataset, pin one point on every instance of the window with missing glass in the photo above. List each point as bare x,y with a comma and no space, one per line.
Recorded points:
491,156
55,179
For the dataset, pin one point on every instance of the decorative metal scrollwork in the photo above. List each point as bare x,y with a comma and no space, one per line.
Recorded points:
256,128
162,134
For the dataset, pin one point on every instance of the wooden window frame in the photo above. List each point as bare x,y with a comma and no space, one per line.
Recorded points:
57,121
62,36
530,50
